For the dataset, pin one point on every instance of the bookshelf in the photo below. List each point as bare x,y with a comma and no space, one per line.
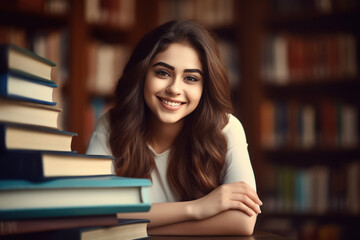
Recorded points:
308,111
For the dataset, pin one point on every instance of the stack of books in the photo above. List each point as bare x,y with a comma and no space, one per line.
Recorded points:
48,191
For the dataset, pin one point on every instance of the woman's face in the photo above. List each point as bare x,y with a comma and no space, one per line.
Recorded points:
174,83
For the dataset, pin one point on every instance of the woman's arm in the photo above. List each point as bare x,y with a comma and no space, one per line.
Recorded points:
237,196
230,222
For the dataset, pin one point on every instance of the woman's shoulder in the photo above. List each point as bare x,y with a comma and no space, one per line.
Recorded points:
233,122
103,124
234,129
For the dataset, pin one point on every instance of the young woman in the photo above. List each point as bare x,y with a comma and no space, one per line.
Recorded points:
172,123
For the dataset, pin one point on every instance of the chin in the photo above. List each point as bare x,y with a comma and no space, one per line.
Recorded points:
170,119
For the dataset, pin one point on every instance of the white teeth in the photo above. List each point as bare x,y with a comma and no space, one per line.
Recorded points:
170,103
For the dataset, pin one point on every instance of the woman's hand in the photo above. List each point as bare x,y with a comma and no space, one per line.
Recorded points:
238,196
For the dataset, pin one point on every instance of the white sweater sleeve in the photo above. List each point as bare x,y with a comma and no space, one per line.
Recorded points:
237,165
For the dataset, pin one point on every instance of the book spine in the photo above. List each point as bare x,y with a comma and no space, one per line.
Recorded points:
3,83
4,53
2,137
21,166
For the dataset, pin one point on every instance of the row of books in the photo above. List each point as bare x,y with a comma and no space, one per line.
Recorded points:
211,13
315,190
325,6
327,124
116,13
106,63
291,58
42,179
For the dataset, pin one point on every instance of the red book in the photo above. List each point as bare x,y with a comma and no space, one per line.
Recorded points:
328,124
8,227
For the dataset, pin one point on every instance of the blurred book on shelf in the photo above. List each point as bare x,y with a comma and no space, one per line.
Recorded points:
106,63
210,13
115,13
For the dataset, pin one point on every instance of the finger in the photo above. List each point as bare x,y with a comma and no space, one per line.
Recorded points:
247,201
243,188
253,196
236,205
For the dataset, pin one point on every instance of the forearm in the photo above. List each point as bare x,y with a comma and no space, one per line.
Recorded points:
231,222
164,213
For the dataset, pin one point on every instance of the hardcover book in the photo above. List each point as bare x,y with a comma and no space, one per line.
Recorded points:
21,226
40,165
25,137
27,88
16,59
73,197
23,112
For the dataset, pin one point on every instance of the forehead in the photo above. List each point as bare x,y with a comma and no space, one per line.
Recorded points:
180,56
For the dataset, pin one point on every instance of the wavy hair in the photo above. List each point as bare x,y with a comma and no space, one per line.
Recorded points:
198,153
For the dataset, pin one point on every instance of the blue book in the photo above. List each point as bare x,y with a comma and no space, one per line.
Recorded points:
26,137
19,86
20,199
46,165
24,62
125,229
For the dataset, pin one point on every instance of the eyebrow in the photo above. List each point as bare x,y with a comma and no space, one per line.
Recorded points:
173,68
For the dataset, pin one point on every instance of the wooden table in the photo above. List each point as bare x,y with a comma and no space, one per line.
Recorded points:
255,236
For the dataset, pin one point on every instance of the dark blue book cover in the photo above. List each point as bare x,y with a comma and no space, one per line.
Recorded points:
19,86
46,165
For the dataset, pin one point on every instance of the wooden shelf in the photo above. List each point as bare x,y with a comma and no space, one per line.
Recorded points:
32,20
328,156
347,88
314,22
108,33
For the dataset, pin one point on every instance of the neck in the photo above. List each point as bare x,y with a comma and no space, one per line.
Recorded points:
163,134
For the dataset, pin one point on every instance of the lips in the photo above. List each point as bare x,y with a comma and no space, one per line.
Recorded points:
171,105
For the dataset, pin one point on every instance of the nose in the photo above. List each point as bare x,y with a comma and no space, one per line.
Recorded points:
174,87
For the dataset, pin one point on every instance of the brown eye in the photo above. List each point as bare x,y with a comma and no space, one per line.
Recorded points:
191,79
162,73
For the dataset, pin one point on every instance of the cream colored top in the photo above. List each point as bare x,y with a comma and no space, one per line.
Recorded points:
237,164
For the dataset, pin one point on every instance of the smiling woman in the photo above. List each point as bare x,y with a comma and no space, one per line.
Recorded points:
173,85
172,123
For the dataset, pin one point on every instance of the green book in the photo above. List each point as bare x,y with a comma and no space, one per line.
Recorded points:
20,199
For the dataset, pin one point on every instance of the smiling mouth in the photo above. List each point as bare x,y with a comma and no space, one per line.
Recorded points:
171,104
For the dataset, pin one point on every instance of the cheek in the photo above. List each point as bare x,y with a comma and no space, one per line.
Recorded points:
194,94
153,85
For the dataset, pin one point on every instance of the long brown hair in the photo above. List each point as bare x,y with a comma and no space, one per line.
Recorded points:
198,153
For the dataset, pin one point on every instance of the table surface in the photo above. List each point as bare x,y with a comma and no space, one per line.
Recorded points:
255,236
